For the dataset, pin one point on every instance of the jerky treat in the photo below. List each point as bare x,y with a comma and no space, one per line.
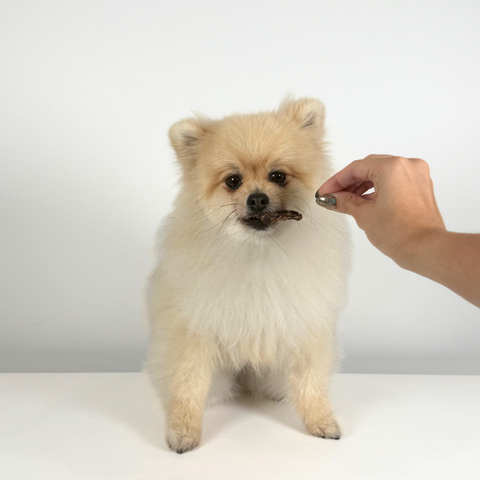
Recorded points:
262,222
277,217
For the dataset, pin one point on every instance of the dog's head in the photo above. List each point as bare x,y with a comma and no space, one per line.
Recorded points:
242,168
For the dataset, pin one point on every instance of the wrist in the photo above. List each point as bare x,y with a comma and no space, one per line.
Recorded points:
422,251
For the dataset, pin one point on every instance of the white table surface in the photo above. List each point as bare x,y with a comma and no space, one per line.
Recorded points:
108,426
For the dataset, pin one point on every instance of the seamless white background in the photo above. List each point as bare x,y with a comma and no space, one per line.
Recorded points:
88,90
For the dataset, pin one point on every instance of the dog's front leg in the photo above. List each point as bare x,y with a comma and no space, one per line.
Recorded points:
308,380
187,385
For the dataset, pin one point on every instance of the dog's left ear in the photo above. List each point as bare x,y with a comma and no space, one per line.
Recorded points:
185,137
308,113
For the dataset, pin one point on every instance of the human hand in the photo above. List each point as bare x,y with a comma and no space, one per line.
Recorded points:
402,211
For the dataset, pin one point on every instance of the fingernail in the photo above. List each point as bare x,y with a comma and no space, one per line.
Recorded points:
327,201
316,194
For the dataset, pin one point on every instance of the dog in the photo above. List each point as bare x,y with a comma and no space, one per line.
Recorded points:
239,302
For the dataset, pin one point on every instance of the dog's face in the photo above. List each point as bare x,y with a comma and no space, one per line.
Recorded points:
244,167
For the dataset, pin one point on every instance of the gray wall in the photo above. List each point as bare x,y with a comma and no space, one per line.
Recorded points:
87,92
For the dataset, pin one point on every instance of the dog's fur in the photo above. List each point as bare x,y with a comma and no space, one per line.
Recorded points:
237,309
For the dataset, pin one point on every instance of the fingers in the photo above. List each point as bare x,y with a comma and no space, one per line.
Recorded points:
349,186
362,188
356,173
370,196
345,202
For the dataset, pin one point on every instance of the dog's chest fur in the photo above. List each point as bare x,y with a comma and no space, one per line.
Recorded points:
237,290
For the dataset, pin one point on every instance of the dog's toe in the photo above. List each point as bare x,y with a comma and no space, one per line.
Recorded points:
181,442
326,429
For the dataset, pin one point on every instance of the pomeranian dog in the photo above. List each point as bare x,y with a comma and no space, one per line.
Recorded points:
240,300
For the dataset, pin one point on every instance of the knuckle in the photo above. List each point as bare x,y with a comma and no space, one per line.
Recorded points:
355,163
354,168
422,164
392,162
398,162
402,164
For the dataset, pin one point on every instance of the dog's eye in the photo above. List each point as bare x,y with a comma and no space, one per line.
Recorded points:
278,177
233,181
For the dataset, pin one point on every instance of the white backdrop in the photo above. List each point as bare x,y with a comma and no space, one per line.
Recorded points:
88,90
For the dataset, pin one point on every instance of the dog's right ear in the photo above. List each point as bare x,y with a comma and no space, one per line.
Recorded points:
185,137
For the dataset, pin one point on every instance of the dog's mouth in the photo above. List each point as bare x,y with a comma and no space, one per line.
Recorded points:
257,223
265,220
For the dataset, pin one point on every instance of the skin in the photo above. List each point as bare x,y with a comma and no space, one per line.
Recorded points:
401,218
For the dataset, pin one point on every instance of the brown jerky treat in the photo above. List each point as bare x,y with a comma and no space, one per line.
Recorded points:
276,217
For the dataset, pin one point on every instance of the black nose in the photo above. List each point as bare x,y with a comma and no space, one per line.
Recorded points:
257,202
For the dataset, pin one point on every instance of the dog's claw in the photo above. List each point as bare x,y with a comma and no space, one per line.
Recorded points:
181,443
328,430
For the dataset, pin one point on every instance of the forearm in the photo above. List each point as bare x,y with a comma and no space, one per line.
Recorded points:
401,218
452,259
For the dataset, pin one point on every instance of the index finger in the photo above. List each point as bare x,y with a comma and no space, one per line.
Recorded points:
357,172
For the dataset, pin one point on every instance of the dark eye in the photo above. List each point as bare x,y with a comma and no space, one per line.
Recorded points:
233,181
278,177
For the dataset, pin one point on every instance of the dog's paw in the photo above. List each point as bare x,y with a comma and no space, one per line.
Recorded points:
182,442
327,428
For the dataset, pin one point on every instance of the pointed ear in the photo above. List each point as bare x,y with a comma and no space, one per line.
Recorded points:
308,113
185,137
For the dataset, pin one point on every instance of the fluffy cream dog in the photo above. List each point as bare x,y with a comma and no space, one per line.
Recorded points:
237,302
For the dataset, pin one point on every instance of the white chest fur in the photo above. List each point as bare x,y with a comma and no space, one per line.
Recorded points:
248,290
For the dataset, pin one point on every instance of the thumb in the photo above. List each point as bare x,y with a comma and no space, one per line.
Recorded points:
343,202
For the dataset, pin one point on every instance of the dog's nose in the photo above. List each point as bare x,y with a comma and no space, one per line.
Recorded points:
257,201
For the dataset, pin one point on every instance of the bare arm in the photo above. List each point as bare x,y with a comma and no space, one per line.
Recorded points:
402,220
452,259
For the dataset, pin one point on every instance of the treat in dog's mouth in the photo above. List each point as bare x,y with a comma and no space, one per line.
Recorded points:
262,222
